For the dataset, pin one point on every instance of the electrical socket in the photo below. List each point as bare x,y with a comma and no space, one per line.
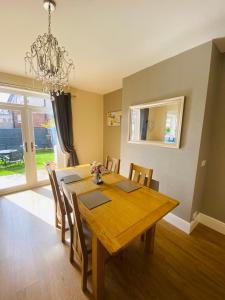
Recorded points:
203,163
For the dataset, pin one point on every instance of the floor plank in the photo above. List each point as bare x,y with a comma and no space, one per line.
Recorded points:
34,263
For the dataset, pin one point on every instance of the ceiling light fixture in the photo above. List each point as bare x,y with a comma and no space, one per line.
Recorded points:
48,62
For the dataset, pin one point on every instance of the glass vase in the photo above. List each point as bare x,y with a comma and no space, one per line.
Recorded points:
97,178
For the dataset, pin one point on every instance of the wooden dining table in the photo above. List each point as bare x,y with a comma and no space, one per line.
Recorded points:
117,223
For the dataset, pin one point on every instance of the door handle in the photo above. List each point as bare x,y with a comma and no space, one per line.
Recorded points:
25,146
32,146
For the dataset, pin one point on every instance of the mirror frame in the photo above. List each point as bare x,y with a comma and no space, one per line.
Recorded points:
163,102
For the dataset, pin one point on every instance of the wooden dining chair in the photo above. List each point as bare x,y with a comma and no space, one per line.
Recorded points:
140,175
80,235
60,211
112,164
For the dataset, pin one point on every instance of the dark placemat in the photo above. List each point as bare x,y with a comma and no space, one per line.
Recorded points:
127,186
71,178
93,199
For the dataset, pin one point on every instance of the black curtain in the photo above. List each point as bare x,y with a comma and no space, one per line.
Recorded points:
63,119
144,123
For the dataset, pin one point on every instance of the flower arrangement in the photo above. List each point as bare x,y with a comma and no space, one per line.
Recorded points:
97,169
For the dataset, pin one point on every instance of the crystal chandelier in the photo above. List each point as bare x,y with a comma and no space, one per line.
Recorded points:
47,61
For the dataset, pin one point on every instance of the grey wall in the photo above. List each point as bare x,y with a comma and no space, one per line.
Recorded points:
186,74
214,191
111,135
203,182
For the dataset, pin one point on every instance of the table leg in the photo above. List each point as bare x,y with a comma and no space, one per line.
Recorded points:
150,239
97,268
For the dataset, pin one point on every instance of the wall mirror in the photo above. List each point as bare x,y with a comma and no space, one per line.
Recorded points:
157,123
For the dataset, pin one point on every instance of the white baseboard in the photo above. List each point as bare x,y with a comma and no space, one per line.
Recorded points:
178,222
188,227
211,223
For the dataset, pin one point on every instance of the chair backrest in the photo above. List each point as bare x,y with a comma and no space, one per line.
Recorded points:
76,226
140,175
55,188
112,164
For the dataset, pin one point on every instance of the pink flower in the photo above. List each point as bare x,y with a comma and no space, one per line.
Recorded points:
97,168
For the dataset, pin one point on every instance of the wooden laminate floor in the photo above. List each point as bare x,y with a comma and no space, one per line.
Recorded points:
34,263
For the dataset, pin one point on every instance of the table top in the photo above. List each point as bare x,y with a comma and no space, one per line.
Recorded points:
81,170
128,215
8,151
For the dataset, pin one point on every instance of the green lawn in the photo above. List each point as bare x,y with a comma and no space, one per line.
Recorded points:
42,156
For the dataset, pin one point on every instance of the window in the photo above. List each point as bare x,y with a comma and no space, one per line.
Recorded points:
38,101
11,98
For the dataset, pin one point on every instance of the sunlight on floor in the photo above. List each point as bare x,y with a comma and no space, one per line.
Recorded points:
8,181
39,202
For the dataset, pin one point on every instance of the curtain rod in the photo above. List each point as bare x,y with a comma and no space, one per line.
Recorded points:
24,88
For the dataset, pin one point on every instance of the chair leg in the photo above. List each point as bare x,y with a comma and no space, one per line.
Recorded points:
56,220
71,253
63,229
71,245
57,223
84,275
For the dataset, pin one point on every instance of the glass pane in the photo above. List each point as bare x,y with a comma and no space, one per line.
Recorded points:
45,139
11,98
37,101
12,168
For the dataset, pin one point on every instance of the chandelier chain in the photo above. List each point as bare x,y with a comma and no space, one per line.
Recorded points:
49,18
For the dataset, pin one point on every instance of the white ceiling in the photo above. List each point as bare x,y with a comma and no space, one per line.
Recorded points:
109,39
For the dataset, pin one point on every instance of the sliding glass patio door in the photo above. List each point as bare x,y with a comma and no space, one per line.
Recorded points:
28,140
